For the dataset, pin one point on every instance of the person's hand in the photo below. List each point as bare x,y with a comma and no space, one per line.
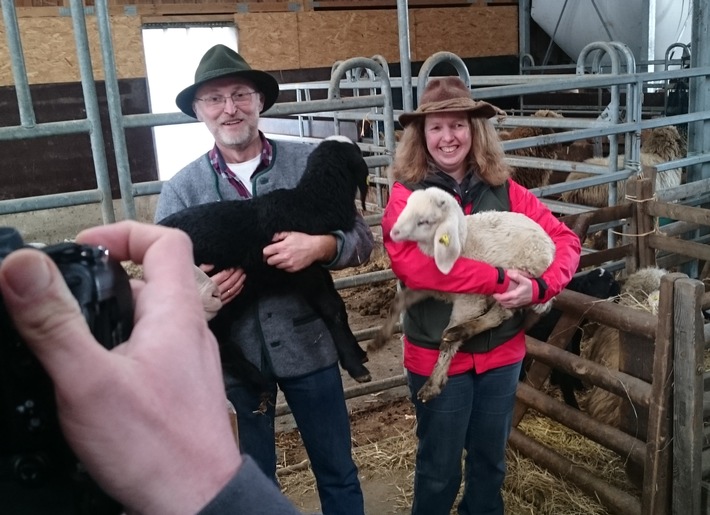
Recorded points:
148,419
230,281
519,292
294,251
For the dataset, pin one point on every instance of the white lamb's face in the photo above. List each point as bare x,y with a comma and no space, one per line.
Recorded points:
419,219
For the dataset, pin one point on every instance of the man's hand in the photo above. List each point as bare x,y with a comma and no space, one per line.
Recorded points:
294,251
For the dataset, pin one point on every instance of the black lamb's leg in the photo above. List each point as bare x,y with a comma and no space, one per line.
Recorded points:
317,286
566,382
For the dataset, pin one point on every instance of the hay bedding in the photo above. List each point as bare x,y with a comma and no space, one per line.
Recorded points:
384,446
384,442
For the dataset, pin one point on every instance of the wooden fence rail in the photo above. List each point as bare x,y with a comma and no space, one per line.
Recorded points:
661,374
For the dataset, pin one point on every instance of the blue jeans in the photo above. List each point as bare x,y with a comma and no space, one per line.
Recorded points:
473,413
318,405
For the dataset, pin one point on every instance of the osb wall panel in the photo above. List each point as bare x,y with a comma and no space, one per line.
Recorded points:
50,52
277,41
269,41
300,40
326,37
471,32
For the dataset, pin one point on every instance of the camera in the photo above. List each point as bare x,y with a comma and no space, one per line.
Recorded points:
38,471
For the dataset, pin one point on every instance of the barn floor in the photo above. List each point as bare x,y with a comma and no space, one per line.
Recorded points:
382,423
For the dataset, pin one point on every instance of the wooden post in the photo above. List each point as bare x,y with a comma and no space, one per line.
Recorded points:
635,359
632,260
688,396
644,223
657,477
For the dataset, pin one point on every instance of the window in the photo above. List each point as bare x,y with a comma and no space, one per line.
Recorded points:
172,54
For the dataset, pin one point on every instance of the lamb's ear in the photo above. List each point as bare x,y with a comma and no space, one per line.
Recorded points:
447,246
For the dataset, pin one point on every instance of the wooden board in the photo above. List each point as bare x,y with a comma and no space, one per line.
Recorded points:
326,37
269,41
466,32
50,50
272,40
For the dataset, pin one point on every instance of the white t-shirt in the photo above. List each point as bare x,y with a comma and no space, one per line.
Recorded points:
244,170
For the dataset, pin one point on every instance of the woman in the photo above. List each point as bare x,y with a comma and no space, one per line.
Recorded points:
449,143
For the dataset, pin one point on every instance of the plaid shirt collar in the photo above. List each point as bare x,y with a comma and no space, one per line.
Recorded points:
221,169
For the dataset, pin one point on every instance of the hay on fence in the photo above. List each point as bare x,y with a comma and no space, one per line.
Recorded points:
529,488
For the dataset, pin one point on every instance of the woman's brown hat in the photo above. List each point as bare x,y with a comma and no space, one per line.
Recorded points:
449,94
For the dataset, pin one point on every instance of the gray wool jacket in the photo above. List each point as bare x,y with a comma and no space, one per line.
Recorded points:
279,333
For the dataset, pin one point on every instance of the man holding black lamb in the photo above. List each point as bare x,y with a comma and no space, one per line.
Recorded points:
228,96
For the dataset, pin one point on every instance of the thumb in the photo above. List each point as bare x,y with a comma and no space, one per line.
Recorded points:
45,313
279,236
514,275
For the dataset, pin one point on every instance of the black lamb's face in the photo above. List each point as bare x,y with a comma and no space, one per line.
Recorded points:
362,172
356,164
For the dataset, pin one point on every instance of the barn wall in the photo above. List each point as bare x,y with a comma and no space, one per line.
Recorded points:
270,40
296,44
50,52
60,164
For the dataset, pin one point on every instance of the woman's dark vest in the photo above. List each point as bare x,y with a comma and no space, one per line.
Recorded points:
424,322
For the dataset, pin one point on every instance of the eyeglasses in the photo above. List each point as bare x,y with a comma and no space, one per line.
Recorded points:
238,99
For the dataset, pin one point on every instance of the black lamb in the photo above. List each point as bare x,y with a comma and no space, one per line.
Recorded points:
234,233
598,283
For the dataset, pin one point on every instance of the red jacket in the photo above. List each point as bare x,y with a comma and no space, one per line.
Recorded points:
418,271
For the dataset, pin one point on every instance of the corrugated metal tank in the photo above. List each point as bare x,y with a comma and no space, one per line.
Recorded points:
647,31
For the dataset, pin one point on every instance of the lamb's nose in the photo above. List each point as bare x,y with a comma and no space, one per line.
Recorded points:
394,233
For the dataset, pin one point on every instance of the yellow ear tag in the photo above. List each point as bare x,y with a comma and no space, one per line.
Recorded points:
444,240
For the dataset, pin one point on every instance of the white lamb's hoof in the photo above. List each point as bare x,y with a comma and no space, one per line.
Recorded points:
428,392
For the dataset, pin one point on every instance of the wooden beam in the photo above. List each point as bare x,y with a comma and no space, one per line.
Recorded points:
619,383
678,246
696,215
608,436
613,498
658,478
539,371
688,393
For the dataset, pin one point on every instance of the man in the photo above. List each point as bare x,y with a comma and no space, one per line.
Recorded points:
228,97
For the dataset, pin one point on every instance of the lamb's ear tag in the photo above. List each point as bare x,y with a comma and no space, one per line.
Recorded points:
444,239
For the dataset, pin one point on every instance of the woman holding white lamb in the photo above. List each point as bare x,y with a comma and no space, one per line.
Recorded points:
448,143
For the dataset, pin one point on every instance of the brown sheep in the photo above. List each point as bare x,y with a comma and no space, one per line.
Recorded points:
660,145
527,176
641,291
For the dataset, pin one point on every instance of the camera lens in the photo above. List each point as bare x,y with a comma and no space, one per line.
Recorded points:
31,469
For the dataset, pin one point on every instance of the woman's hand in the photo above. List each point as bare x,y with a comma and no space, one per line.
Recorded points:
519,293
230,281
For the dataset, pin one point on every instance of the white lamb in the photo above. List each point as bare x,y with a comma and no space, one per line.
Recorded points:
434,219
